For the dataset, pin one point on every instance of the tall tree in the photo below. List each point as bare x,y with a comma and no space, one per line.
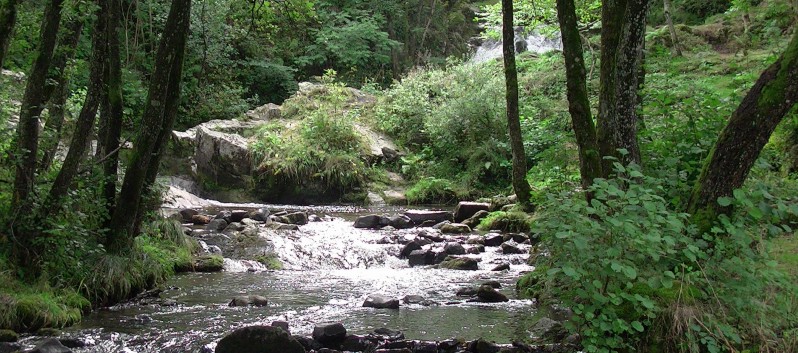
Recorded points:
33,102
578,101
8,18
520,184
669,20
749,128
164,88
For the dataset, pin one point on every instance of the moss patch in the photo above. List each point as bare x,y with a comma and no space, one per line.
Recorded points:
513,221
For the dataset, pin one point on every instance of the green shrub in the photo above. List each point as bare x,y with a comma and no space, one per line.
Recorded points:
268,82
432,191
513,221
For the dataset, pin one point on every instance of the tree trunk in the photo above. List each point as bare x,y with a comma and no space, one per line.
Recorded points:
108,143
578,101
88,113
622,38
674,38
8,18
520,185
57,94
773,95
161,92
32,104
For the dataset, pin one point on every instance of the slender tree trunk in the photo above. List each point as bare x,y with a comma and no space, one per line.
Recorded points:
773,95
57,94
8,18
109,141
578,101
161,92
88,113
674,38
622,38
520,185
33,103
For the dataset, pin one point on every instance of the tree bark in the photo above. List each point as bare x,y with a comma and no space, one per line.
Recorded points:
57,94
161,92
8,19
32,105
88,113
773,96
674,38
578,101
108,143
520,184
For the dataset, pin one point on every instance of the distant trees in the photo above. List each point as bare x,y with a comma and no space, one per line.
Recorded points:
8,18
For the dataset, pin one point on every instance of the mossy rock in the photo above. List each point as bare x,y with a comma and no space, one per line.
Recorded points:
8,336
209,263
271,261
459,263
513,221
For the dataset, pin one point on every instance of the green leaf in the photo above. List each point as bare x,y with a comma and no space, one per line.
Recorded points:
637,326
724,201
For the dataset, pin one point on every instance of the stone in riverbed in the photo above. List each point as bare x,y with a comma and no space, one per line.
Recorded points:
511,248
282,226
200,219
355,343
50,345
502,267
379,301
309,343
330,334
261,215
186,214
493,239
369,222
208,263
247,300
420,216
216,225
400,222
474,220
454,249
465,210
238,215
259,339
466,292
409,248
487,294
459,263
283,325
492,284
455,228
298,218
482,346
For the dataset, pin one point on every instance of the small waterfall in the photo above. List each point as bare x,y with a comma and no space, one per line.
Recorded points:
534,42
231,265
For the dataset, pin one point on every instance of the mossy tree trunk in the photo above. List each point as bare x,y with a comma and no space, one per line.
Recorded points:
773,96
8,19
33,102
622,38
162,91
677,49
520,184
88,113
578,101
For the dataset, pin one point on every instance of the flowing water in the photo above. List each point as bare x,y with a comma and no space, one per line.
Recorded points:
532,42
330,268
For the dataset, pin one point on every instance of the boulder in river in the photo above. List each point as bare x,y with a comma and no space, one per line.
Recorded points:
474,220
329,335
465,210
222,159
259,339
216,225
502,267
408,248
511,247
460,263
379,301
187,213
493,239
455,228
421,216
238,215
50,345
454,249
208,263
487,294
400,222
298,218
261,215
247,300
369,222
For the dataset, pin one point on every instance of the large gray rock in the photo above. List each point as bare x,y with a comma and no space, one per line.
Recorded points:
222,158
511,247
421,216
369,222
249,300
493,239
474,220
487,294
460,263
454,249
379,301
50,345
298,218
216,225
400,222
259,339
330,334
455,228
465,210
269,111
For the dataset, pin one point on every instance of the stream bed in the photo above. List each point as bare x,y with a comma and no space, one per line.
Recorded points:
330,267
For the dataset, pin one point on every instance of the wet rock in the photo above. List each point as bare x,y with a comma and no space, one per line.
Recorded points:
387,334
283,325
440,225
224,214
431,237
492,284
428,224
216,225
258,339
493,239
476,240
449,346
233,227
511,248
9,347
309,343
421,258
268,111
261,215
412,299
426,347
200,219
460,263
208,263
186,214
409,248
8,336
549,330
455,228
502,267
466,292
421,216
249,300
314,218
487,294
482,346
516,237
368,222
282,226
400,222
402,344
298,218
222,158
474,220
465,210
454,249
474,250
394,350
330,334
50,345
354,343
379,301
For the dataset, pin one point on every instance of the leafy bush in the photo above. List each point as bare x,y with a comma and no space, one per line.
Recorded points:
268,82
432,191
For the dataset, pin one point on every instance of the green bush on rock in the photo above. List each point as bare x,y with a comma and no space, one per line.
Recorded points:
513,221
